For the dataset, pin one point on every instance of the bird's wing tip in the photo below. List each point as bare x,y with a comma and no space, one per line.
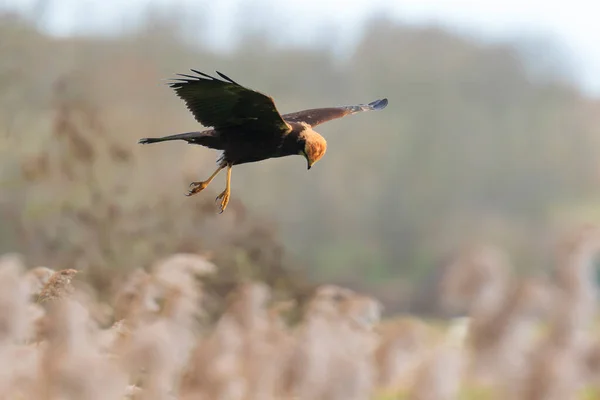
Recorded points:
379,104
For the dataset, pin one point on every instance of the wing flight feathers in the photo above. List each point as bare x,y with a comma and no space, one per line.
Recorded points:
317,116
226,104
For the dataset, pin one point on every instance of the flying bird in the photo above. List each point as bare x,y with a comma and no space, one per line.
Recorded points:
246,126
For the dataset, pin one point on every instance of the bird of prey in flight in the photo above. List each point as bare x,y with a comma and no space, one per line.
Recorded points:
246,126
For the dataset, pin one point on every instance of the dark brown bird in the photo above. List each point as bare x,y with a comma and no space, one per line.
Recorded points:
247,127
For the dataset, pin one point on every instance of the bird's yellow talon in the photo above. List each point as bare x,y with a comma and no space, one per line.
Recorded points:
197,187
224,196
224,199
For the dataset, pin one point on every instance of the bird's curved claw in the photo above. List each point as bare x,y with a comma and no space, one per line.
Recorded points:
224,196
196,188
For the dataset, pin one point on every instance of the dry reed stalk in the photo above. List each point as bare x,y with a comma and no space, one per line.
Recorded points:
502,344
236,359
332,356
559,366
401,348
37,278
477,281
15,325
442,370
71,365
163,345
58,286
135,300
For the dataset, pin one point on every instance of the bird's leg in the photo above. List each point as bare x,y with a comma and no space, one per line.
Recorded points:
199,186
227,192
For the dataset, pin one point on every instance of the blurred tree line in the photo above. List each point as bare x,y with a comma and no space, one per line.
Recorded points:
476,145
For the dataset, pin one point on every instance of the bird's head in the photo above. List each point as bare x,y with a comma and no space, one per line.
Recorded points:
313,147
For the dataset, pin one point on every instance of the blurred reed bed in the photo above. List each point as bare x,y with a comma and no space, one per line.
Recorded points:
516,337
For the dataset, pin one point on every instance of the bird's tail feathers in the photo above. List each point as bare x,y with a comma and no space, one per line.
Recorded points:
180,136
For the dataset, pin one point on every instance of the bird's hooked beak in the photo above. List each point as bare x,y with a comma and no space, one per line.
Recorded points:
308,162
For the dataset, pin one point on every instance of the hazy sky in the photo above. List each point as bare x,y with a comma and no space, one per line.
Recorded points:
573,24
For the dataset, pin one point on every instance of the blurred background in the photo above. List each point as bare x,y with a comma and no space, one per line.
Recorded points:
491,136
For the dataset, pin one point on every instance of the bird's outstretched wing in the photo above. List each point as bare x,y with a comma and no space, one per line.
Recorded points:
226,104
317,116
